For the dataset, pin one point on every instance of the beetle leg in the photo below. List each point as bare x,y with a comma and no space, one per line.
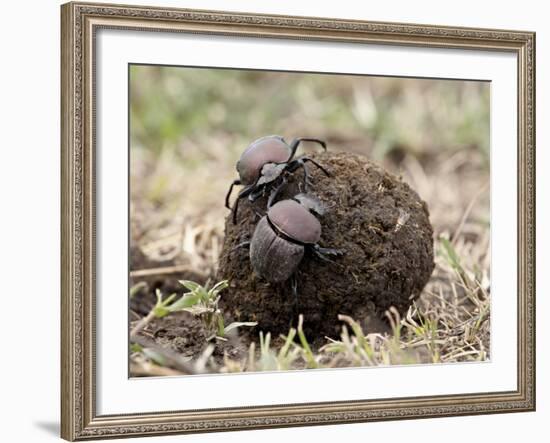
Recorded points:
294,145
301,163
322,256
235,209
258,214
275,192
323,252
307,159
255,195
244,193
329,251
294,287
235,182
307,181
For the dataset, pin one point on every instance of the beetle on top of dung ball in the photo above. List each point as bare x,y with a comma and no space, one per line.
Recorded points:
264,165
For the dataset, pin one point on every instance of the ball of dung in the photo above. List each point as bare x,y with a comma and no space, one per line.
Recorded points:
379,223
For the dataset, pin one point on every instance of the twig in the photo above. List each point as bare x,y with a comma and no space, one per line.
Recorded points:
165,270
469,208
151,370
142,323
173,359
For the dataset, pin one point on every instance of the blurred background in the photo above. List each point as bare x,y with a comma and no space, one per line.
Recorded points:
188,127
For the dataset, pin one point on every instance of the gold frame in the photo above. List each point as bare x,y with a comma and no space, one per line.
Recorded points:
79,21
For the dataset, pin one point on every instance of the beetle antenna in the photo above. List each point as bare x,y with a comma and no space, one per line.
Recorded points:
297,141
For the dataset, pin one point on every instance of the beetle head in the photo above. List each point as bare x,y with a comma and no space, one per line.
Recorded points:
270,171
311,203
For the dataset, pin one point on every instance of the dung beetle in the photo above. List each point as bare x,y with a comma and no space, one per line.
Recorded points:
282,237
265,163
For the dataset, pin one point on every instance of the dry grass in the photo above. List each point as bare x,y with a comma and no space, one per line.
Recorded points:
450,323
434,134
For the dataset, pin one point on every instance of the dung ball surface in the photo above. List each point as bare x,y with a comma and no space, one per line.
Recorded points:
381,225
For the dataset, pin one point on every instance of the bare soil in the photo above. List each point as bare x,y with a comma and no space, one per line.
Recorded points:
181,332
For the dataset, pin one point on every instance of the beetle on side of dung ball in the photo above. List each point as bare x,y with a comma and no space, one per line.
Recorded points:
282,237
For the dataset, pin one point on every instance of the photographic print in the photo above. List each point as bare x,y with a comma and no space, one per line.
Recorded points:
284,221
273,221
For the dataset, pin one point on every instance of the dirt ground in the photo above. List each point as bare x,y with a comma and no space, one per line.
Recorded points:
185,334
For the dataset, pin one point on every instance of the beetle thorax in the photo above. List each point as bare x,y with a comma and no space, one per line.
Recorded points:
295,222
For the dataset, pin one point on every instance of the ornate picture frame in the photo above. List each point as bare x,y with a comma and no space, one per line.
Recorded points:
80,22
